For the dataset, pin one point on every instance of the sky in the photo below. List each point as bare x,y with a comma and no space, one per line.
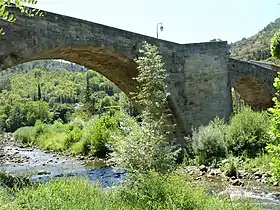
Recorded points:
184,21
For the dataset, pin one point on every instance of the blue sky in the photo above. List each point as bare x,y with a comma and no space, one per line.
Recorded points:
184,21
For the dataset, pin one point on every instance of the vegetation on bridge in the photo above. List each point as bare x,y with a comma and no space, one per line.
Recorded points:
22,5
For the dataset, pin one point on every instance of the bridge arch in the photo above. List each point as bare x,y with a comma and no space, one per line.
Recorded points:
253,82
254,92
109,51
118,69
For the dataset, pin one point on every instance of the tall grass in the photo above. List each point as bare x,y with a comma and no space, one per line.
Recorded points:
78,137
161,192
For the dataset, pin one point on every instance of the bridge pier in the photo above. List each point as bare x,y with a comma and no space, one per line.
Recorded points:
199,84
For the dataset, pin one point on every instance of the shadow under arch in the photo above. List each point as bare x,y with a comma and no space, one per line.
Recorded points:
254,92
118,69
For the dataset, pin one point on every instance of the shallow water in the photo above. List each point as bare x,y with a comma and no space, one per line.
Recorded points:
43,166
264,196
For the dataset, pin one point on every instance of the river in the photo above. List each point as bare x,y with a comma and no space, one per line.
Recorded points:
42,166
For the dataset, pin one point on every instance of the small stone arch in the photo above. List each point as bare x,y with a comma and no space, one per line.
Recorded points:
254,92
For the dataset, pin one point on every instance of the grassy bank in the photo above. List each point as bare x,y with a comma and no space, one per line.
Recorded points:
92,137
157,191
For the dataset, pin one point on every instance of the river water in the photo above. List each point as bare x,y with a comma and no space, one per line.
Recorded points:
42,166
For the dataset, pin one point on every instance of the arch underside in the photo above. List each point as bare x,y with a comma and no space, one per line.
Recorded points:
254,93
120,70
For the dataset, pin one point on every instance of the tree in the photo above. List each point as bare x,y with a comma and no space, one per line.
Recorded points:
146,147
20,4
38,75
275,45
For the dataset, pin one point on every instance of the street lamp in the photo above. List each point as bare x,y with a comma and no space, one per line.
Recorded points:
161,28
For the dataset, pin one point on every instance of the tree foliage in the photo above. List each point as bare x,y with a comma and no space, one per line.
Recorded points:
66,93
257,46
146,147
22,5
275,45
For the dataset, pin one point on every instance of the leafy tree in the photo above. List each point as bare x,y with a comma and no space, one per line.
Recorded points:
146,147
275,45
274,132
38,74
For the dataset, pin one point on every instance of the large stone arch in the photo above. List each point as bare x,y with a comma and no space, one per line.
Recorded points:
118,69
198,72
253,81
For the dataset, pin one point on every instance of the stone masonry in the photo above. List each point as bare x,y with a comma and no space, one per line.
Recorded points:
199,74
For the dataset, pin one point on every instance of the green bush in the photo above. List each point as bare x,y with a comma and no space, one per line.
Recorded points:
274,151
140,151
147,146
53,141
26,135
275,45
274,132
79,147
5,197
40,128
209,142
38,110
73,136
230,166
248,133
260,163
98,133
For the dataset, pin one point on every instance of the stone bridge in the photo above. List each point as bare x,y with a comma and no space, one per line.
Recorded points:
200,75
253,81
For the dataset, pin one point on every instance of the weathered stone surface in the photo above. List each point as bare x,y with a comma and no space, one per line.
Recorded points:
253,81
200,74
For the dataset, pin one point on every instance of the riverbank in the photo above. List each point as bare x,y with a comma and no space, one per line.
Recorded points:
44,166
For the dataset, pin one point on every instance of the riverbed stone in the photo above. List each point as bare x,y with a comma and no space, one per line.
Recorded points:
236,182
258,174
43,172
203,168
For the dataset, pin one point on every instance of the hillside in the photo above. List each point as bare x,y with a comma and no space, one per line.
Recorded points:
256,47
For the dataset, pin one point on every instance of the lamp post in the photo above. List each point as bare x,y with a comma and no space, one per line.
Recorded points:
161,28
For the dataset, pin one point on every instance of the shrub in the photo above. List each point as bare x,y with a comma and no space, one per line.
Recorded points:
230,166
98,133
38,110
140,152
274,132
248,132
79,147
275,45
40,128
26,135
274,151
73,136
5,197
147,147
209,143
53,141
260,163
